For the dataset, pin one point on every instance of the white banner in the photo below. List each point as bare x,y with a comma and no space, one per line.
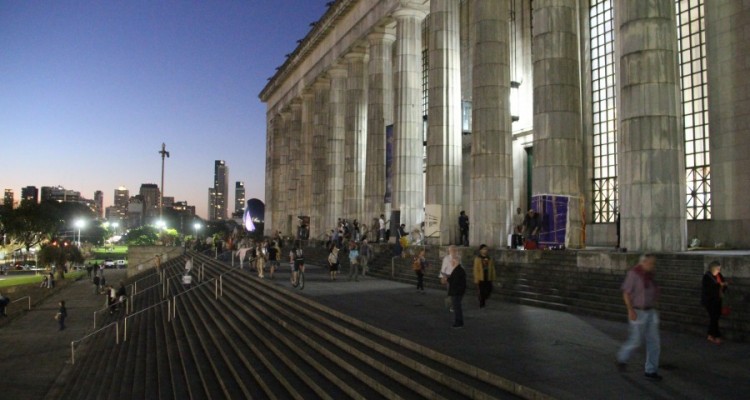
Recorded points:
432,221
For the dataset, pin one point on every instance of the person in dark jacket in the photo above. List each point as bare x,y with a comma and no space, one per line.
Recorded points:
484,274
62,313
713,288
456,291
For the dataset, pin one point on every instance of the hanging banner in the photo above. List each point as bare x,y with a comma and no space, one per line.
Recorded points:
388,163
432,213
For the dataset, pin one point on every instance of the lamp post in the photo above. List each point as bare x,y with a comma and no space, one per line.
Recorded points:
115,225
196,227
79,224
161,224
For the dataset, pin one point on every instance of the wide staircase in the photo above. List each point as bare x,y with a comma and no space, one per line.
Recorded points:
555,280
232,335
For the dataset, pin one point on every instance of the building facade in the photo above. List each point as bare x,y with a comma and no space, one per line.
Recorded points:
150,195
218,195
99,203
9,199
30,194
617,120
239,197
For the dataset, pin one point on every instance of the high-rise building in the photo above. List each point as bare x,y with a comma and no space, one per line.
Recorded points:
184,208
8,200
135,211
167,201
60,194
99,203
239,197
120,204
211,204
219,199
30,194
150,193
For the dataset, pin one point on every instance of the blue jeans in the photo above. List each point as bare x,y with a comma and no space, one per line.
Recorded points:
646,326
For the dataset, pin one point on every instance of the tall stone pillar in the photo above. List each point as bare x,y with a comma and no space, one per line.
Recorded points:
727,24
304,188
444,117
281,218
467,55
294,129
651,170
408,180
491,152
379,115
321,89
558,149
270,171
356,134
335,149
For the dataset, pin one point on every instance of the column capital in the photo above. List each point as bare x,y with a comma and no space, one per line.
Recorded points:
295,104
337,71
382,34
307,93
323,81
357,54
411,9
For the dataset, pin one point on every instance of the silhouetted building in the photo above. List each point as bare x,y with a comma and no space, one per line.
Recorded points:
99,203
218,195
239,197
30,194
8,200
150,194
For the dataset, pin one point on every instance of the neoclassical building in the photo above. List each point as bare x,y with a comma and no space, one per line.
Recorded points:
596,113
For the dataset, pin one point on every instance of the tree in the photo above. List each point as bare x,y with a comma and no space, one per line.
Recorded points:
31,224
144,236
59,253
168,237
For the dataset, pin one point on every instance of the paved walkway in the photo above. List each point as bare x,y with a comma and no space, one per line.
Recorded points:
32,349
564,355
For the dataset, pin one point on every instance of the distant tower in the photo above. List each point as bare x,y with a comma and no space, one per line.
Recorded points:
239,197
122,195
9,198
151,199
30,194
220,191
99,203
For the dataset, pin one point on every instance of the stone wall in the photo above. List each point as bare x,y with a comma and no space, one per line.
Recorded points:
141,258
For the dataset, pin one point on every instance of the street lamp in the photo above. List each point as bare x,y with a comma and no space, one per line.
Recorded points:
196,227
161,224
80,224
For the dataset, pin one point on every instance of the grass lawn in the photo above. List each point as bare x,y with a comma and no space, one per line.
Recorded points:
7,281
100,254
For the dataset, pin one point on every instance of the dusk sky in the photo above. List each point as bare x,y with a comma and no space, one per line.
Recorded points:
90,89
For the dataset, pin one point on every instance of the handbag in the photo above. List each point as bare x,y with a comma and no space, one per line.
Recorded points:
726,310
57,317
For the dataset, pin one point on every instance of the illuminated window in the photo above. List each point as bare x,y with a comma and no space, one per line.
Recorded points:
604,111
691,40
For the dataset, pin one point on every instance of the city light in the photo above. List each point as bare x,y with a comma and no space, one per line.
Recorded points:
79,224
161,224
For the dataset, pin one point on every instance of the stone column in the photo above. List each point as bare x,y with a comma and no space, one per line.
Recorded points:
651,170
356,133
444,130
335,149
727,24
322,89
467,55
558,150
281,219
491,152
270,171
379,115
294,129
304,189
408,180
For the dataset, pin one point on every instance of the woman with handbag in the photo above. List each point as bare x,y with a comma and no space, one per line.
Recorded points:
713,287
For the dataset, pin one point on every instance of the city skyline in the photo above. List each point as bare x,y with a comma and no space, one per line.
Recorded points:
91,90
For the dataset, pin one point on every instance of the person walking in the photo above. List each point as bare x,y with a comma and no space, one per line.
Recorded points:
333,262
713,287
4,301
365,253
353,261
484,274
640,294
261,255
456,291
463,227
420,266
446,268
381,228
62,313
274,255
